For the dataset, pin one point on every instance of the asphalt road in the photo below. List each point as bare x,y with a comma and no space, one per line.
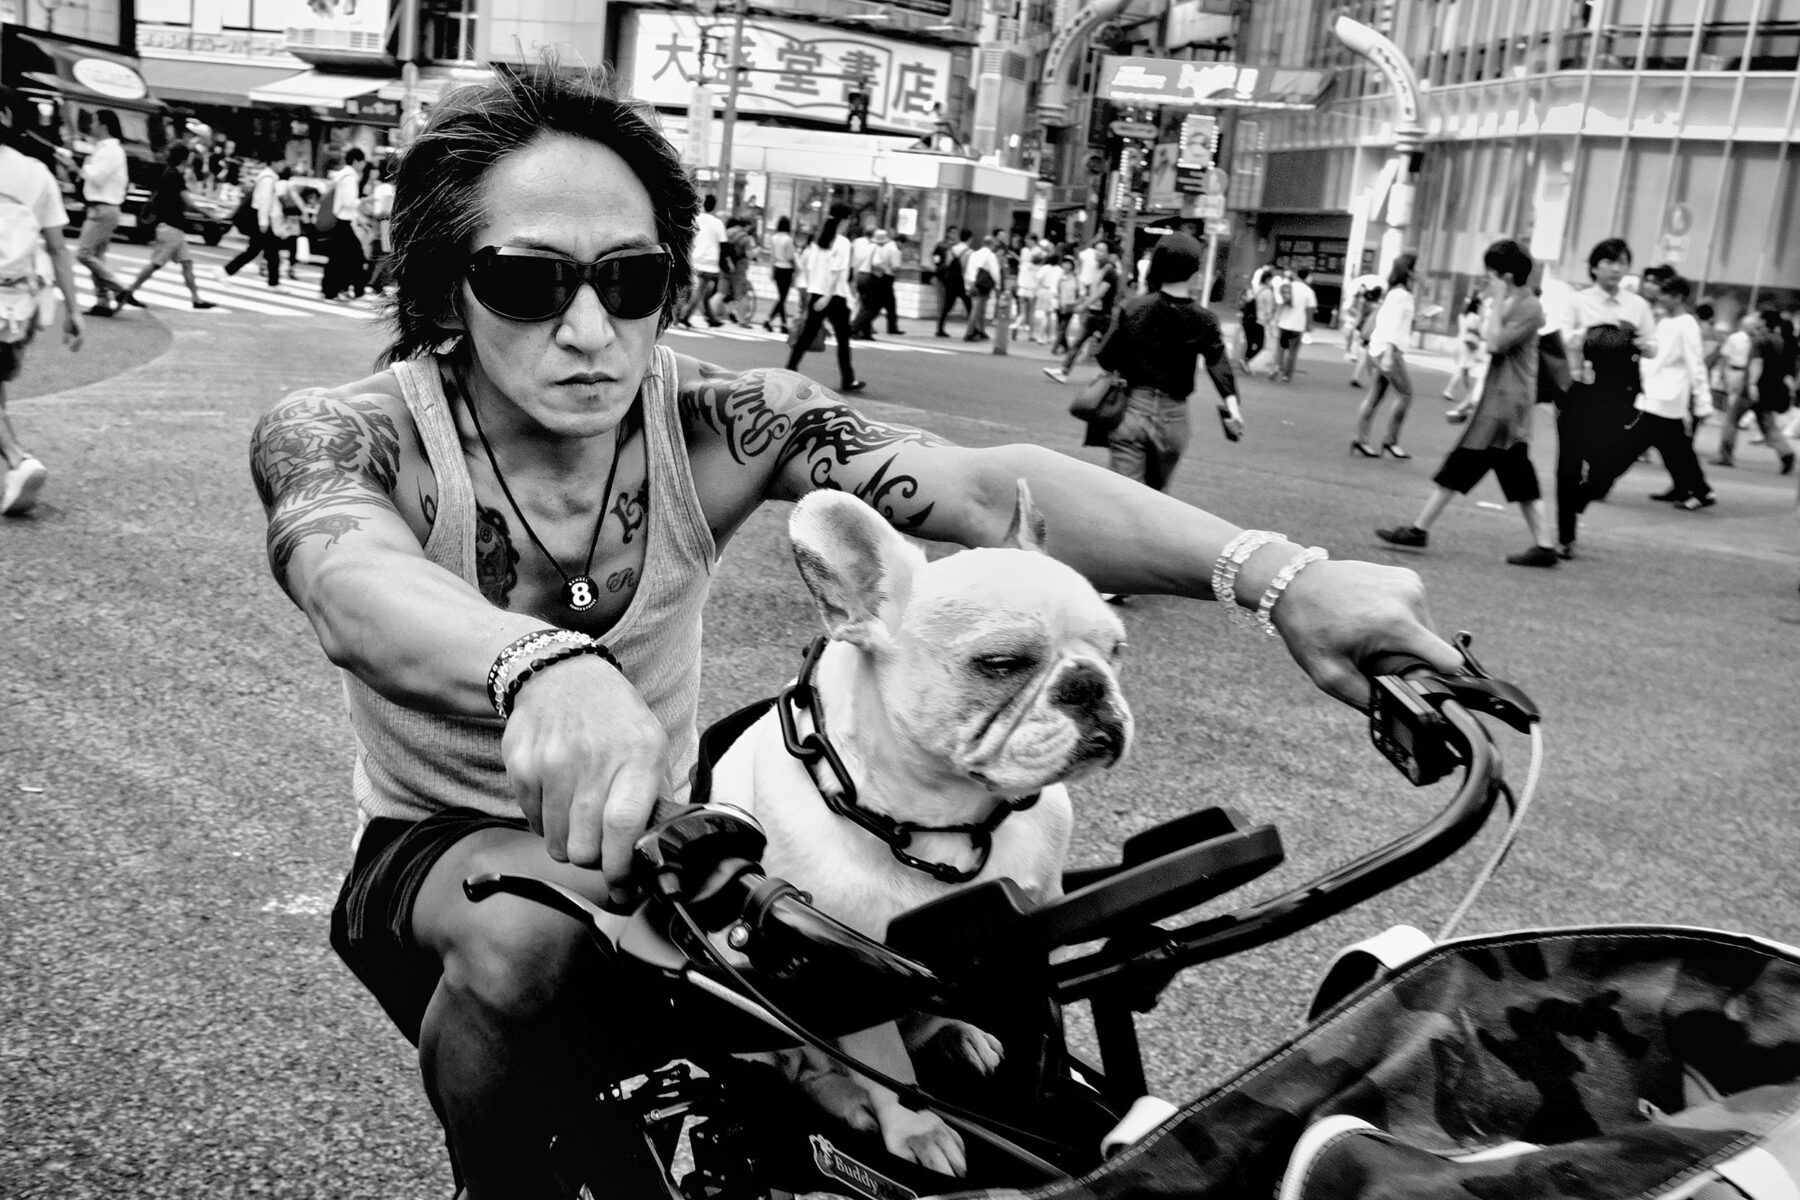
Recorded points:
174,765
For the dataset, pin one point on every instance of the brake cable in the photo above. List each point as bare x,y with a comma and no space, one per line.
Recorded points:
996,1133
1516,810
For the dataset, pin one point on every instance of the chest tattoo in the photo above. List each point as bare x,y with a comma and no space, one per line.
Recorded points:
631,509
621,580
496,560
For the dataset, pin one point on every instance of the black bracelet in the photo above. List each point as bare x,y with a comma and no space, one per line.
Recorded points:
513,650
555,656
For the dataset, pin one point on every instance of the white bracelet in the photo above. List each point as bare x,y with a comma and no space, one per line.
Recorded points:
1231,560
513,659
1278,585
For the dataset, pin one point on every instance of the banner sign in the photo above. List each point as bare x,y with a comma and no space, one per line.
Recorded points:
1126,80
794,69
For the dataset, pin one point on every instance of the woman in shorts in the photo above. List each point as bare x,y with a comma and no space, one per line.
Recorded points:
1498,436
169,205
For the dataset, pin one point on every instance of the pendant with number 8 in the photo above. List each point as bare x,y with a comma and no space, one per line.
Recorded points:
580,594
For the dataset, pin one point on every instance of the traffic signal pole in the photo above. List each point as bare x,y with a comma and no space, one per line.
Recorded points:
727,177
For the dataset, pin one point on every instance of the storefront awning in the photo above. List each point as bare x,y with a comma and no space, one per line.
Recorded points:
857,157
71,68
434,83
188,82
316,89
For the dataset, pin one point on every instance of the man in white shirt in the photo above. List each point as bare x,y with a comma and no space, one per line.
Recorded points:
265,207
981,275
709,235
346,268
103,183
30,182
1608,327
1293,319
862,280
884,265
1675,395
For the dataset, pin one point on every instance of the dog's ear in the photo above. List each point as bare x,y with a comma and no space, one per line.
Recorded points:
1028,530
857,566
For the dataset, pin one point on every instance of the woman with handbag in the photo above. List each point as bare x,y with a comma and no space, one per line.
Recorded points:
1156,350
1393,325
825,268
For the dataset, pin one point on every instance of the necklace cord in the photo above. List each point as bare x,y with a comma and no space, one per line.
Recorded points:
605,495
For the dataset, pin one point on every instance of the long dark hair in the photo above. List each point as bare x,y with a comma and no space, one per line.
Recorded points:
437,186
1401,273
828,232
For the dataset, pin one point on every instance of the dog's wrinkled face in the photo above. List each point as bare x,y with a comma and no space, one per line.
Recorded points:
997,665
1006,664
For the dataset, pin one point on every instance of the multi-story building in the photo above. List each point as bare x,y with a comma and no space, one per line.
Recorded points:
1670,123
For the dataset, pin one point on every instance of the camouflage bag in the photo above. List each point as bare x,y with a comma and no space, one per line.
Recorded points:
1608,1063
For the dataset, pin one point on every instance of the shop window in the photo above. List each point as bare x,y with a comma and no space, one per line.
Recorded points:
1722,47
1573,55
1777,46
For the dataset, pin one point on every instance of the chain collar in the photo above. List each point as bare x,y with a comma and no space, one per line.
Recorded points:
801,696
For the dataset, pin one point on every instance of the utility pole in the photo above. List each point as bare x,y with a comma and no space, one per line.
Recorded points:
727,177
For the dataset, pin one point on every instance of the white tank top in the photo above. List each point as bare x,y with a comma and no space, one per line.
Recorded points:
410,764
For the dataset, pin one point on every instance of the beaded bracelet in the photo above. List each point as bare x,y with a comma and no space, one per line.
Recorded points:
590,646
1231,560
1279,584
517,649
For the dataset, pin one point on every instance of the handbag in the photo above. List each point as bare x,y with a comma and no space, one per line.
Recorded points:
1554,376
1102,400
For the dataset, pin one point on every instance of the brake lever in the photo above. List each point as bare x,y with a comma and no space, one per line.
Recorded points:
1407,695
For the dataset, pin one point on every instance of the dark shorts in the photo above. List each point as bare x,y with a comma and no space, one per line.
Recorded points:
1290,337
371,926
1511,467
12,357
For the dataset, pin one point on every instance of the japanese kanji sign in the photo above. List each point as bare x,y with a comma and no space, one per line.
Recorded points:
796,69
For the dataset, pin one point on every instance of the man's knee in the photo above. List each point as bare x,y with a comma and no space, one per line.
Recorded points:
513,963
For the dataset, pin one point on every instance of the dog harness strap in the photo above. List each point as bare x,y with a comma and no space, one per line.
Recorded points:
811,747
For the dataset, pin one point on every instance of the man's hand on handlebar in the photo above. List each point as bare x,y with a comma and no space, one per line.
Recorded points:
1337,616
586,759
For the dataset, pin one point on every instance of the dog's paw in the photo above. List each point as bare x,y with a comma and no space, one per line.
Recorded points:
924,1138
956,1042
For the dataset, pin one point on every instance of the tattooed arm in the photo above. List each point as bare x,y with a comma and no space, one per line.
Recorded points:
796,435
326,465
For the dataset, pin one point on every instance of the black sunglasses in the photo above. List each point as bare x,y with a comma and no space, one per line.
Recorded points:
534,285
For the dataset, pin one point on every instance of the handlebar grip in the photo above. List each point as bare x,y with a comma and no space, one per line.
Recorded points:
665,810
1393,662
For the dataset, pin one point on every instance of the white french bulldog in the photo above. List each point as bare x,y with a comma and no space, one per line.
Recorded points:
948,688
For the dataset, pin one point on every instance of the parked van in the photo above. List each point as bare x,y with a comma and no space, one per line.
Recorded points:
68,81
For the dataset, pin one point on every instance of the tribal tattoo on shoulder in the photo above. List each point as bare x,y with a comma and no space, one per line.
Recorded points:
312,459
759,412
631,508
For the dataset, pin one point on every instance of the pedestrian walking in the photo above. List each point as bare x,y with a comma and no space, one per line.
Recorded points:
346,266
1762,391
884,265
261,238
1293,319
378,209
862,284
1673,397
1250,314
1387,350
1067,291
1498,437
982,279
781,271
825,268
1608,328
1025,294
168,208
104,181
709,236
947,260
1159,345
35,217
1096,310
736,253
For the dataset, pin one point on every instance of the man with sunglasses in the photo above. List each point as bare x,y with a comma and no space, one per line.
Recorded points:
506,537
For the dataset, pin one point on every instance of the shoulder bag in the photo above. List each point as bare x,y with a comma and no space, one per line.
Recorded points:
1101,401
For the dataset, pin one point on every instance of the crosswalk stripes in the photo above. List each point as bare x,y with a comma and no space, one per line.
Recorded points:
246,292
746,334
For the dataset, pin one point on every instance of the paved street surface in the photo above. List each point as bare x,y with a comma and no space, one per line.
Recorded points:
174,765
